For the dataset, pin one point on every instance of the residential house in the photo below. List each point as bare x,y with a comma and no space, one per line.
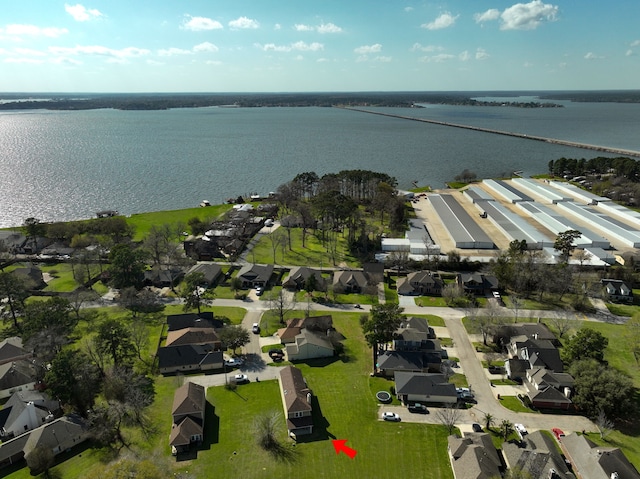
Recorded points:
298,276
538,331
538,456
474,457
189,358
16,376
32,275
477,283
420,283
12,240
617,291
320,324
188,412
193,320
591,461
194,336
417,361
424,387
253,275
374,272
539,353
11,350
58,436
548,389
414,335
24,411
418,324
351,281
310,345
210,271
163,277
296,401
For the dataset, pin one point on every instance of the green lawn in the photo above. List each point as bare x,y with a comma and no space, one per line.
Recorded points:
62,274
313,254
627,310
513,403
142,222
430,301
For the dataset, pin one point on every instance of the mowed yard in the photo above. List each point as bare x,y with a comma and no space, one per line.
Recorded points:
346,409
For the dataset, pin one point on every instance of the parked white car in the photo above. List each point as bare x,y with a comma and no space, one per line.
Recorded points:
521,430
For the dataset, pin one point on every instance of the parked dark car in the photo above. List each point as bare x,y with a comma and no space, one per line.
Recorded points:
418,408
476,427
276,353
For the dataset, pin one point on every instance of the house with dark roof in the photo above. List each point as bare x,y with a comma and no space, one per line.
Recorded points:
538,456
24,411
189,358
16,376
163,277
11,350
420,283
549,389
210,271
253,275
188,412
617,291
192,320
537,331
477,283
58,436
591,461
474,456
296,401
32,275
424,387
298,276
351,281
309,345
417,361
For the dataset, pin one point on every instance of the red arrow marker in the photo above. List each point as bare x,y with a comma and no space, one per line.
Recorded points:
339,446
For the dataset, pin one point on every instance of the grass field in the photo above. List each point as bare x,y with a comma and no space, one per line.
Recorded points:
142,222
346,408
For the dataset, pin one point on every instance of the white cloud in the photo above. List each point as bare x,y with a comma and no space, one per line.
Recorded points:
528,16
32,30
443,21
367,49
129,52
481,54
213,62
31,61
322,60
297,46
629,53
199,24
299,27
592,56
277,26
408,9
329,28
489,15
80,13
382,59
635,43
65,61
170,52
205,47
299,58
29,52
442,57
465,56
362,58
243,23
417,47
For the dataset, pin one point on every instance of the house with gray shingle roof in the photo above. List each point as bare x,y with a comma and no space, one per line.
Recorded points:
474,456
16,376
11,350
591,461
351,281
420,283
309,345
538,456
298,276
24,411
424,387
253,275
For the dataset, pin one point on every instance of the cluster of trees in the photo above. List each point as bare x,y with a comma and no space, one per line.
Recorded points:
619,166
332,203
601,392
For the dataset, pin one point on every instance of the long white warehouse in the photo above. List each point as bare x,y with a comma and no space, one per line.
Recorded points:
559,224
581,195
545,192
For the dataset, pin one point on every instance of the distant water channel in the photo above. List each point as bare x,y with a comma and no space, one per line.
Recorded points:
68,165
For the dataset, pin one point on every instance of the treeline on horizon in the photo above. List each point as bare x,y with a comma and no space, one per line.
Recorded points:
165,101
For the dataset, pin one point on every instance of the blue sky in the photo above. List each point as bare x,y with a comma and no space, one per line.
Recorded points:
318,45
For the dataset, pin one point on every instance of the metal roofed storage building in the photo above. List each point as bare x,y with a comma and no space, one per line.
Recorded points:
463,230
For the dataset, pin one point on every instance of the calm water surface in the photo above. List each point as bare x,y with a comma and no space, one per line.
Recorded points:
68,165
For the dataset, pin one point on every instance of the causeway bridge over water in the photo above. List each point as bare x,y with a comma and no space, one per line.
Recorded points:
555,141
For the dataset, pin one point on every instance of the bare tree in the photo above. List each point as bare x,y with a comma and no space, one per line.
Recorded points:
605,425
516,304
281,303
561,320
448,417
